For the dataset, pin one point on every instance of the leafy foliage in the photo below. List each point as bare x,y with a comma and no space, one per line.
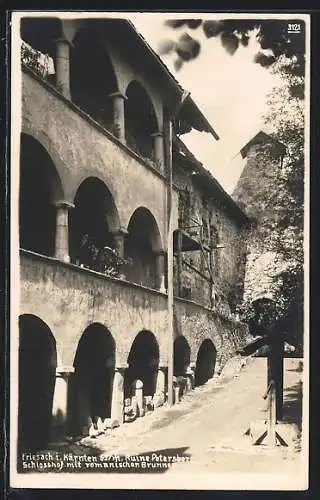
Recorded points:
35,60
272,35
272,191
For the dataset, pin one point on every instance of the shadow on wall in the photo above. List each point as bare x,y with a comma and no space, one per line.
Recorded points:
141,243
181,356
40,187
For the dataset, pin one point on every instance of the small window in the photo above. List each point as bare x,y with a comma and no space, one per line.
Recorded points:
186,292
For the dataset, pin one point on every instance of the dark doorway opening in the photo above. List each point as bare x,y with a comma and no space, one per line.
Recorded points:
37,371
143,364
92,384
206,361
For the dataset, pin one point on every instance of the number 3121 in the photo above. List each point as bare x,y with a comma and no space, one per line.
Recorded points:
294,28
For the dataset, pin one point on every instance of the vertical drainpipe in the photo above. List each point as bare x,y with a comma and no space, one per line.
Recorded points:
168,154
168,135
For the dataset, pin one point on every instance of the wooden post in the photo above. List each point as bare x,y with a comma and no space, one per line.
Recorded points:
279,379
271,420
275,370
168,137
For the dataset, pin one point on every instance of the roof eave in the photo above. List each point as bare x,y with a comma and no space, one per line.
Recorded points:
210,180
189,111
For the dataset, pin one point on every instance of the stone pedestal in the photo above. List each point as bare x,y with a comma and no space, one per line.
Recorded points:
161,380
190,374
158,150
118,100
176,392
60,401
160,394
117,394
62,66
62,231
160,271
138,393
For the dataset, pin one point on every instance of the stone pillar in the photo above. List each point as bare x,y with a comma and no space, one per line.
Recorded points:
190,374
160,271
158,150
118,115
117,394
62,231
60,401
62,66
176,390
118,241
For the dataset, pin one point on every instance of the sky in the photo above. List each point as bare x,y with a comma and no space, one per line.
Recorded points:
230,90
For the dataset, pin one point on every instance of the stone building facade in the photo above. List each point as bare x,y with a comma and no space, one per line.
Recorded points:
93,230
260,192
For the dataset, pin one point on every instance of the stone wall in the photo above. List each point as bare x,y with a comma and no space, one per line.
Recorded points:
229,261
68,299
259,191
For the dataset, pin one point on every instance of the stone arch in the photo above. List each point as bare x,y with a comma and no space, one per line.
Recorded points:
206,360
143,363
92,76
181,355
142,244
40,188
94,218
37,370
141,120
91,388
39,135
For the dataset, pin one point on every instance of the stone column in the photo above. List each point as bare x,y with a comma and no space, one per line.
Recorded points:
118,241
62,66
60,401
158,150
117,394
62,231
118,115
160,271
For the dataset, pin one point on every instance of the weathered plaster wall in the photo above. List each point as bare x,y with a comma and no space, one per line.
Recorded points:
68,299
230,260
79,150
